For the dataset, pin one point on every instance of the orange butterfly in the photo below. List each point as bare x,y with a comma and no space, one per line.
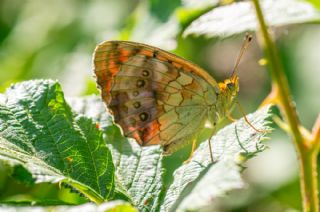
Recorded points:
157,97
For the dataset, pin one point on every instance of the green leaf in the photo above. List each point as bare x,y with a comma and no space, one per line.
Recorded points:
114,206
198,183
187,15
40,133
138,169
240,17
315,3
144,26
139,172
200,3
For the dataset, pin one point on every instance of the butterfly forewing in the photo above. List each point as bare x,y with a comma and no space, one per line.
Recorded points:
155,96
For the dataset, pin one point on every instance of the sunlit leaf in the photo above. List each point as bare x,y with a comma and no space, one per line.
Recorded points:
198,183
199,3
41,135
315,3
113,206
240,17
138,169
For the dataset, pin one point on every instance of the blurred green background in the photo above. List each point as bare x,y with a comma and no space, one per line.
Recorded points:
56,38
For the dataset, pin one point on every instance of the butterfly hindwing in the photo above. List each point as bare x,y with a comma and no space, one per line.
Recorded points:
156,97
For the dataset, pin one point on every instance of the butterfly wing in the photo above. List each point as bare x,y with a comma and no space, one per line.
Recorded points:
155,96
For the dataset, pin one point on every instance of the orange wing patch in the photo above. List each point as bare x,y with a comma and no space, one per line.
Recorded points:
108,58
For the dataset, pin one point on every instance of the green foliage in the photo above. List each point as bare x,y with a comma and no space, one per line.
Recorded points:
43,139
113,206
315,3
41,134
137,166
240,17
138,169
198,183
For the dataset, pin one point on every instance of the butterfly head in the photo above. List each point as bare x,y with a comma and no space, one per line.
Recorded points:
230,87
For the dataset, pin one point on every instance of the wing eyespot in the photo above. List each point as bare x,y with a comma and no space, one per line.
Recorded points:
136,105
145,73
140,83
135,93
143,116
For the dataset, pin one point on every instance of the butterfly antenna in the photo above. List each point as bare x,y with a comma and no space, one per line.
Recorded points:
244,47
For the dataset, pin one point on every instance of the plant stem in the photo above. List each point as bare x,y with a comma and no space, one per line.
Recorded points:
309,184
278,77
304,147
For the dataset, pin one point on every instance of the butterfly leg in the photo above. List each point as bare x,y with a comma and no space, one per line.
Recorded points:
193,148
248,122
231,118
210,148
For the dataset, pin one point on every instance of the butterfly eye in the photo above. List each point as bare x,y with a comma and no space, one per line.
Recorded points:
230,85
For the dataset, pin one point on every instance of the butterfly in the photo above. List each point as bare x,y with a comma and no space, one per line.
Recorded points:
157,97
